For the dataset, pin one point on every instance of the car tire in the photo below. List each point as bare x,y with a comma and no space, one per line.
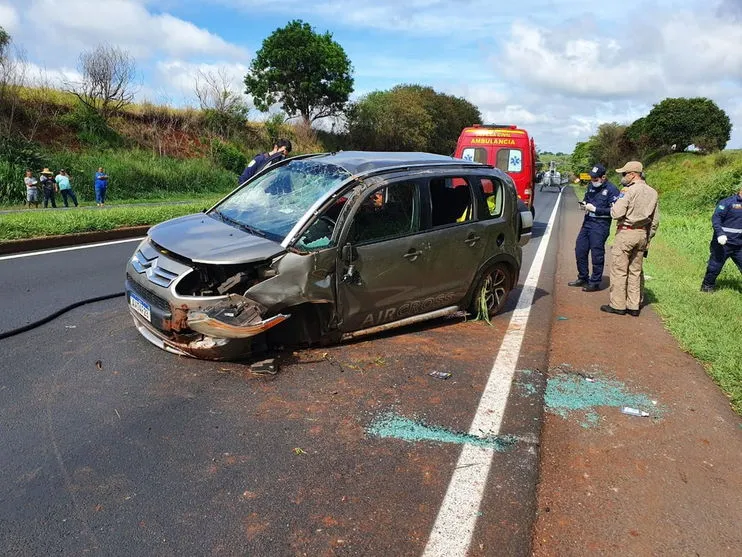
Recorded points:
495,284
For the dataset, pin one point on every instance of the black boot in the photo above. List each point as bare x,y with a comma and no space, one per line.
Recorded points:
591,287
578,282
611,309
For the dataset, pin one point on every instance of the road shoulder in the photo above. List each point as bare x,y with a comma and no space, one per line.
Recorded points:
614,483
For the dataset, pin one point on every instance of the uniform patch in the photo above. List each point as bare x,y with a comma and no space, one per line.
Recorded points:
737,206
595,169
721,207
252,163
605,192
620,195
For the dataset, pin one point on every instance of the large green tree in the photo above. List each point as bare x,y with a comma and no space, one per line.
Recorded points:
410,118
393,120
681,122
307,73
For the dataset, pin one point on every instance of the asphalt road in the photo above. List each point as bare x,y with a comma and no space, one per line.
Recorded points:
112,446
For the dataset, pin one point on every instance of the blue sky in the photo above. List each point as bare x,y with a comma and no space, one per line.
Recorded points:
556,69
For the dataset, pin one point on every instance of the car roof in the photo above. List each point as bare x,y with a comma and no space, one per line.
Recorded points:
367,162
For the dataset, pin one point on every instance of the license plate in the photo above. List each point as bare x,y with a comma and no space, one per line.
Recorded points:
140,306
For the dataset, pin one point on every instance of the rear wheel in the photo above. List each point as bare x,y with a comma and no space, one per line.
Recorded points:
492,291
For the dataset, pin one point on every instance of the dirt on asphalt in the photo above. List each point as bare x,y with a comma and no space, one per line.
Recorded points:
616,484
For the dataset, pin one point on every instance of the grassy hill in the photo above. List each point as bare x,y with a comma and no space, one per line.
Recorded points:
708,326
149,151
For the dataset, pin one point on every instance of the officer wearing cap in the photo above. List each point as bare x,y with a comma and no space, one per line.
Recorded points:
596,227
727,239
637,218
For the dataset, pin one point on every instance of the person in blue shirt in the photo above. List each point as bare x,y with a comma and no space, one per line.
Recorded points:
101,186
596,227
281,148
65,188
727,239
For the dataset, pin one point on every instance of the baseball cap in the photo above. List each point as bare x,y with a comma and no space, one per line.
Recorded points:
631,166
597,171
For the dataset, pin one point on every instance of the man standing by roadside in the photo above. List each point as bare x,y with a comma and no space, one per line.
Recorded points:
281,148
32,190
727,239
596,227
101,186
65,188
48,188
637,216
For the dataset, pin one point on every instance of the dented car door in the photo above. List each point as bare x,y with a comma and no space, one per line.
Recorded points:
383,270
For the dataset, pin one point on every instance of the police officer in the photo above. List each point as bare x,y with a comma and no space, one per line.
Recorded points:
596,227
281,148
727,239
637,215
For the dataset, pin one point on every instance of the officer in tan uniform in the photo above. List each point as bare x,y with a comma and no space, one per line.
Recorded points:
637,218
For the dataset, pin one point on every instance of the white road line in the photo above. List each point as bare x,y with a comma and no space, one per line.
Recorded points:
454,526
86,246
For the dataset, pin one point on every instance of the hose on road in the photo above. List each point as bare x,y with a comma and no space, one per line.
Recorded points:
43,320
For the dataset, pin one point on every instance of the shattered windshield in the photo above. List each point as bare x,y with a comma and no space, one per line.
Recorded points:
272,204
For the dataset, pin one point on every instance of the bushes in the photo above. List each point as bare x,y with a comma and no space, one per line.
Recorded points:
228,156
409,118
133,175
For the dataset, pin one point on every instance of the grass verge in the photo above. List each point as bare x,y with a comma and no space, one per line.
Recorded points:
34,224
708,326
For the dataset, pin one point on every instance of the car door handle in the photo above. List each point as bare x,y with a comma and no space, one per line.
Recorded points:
472,239
412,254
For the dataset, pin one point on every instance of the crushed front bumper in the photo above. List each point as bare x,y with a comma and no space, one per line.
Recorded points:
223,331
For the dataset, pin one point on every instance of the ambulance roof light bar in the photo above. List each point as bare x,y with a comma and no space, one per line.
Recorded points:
498,126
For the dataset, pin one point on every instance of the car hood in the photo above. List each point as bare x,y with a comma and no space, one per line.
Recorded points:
203,239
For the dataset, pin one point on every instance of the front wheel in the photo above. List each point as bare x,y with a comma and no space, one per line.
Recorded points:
491,292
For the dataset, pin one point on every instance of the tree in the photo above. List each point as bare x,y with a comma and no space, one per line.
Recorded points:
12,79
450,115
410,118
611,147
307,73
108,74
224,108
680,122
584,156
4,42
390,121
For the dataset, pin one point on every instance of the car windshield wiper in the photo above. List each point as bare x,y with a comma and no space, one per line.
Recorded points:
245,227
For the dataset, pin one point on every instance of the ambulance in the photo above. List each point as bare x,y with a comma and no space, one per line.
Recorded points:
506,147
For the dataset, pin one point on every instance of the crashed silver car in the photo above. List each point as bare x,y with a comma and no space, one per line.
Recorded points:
327,247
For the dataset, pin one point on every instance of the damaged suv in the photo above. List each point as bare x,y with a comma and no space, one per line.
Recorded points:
327,247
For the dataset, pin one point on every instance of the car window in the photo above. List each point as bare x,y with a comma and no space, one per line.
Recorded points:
509,160
388,212
493,196
273,203
319,234
451,201
475,154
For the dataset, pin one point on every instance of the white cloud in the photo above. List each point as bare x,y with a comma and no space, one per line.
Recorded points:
452,18
580,67
179,76
9,19
50,77
81,24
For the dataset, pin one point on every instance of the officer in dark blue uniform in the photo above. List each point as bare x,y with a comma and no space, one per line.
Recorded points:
596,227
727,239
281,148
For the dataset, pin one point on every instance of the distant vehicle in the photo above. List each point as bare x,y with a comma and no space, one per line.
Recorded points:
552,178
328,247
506,147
